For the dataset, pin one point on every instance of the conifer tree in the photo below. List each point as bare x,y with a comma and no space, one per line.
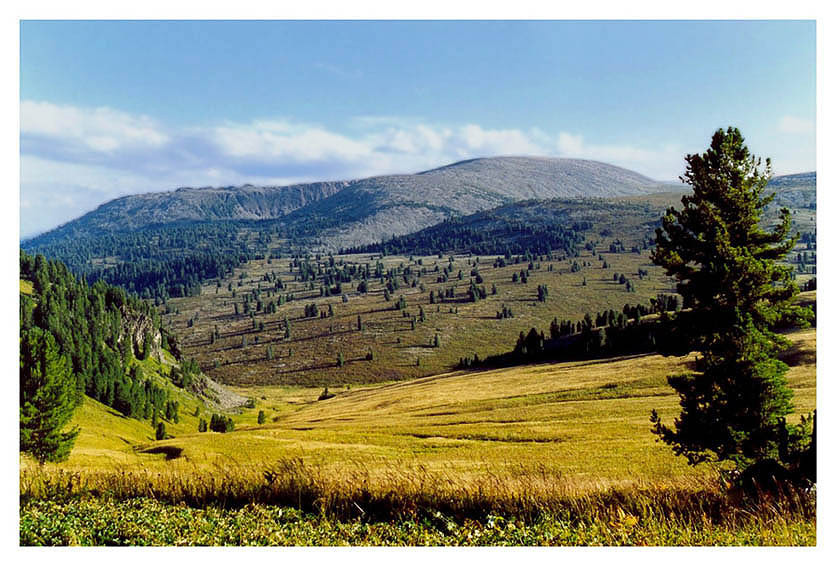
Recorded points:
147,345
728,273
47,398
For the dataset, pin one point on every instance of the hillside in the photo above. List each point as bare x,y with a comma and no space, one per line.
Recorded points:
197,235
585,424
100,346
796,190
555,454
256,325
368,209
536,226
396,205
162,245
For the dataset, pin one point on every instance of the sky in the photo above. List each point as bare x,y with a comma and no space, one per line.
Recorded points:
111,108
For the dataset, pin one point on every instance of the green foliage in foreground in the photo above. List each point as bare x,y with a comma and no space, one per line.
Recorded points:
148,522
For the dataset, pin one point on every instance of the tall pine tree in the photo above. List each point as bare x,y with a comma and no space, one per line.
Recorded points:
737,294
47,398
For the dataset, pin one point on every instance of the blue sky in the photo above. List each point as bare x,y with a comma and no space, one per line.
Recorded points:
112,108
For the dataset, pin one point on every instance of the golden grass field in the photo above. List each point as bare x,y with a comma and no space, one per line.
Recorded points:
569,438
549,454
585,423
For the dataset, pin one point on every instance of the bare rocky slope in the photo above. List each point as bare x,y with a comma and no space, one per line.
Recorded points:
368,210
247,202
798,190
382,207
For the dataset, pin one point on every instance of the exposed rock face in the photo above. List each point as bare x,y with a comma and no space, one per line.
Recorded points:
795,191
135,326
134,329
208,203
215,395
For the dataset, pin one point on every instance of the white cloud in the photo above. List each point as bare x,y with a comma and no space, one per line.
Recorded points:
497,142
280,142
98,129
570,145
795,125
664,163
81,157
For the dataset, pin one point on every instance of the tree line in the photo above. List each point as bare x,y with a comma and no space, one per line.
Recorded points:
79,339
499,236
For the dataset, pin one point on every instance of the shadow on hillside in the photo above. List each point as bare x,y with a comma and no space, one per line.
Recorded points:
169,451
598,361
799,355
308,368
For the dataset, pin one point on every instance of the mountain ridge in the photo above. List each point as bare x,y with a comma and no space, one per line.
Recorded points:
356,212
379,203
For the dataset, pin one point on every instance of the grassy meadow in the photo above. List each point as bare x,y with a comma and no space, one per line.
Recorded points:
556,454
407,453
239,354
464,328
585,422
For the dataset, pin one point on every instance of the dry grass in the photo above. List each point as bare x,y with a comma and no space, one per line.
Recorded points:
579,426
292,503
451,459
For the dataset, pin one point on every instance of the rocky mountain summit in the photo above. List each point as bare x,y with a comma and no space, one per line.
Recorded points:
367,210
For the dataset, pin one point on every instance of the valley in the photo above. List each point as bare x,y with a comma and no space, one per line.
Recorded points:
422,282
251,346
358,381
562,452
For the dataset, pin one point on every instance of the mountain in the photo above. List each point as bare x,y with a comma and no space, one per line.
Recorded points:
380,207
532,226
247,202
798,190
165,244
367,210
807,180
